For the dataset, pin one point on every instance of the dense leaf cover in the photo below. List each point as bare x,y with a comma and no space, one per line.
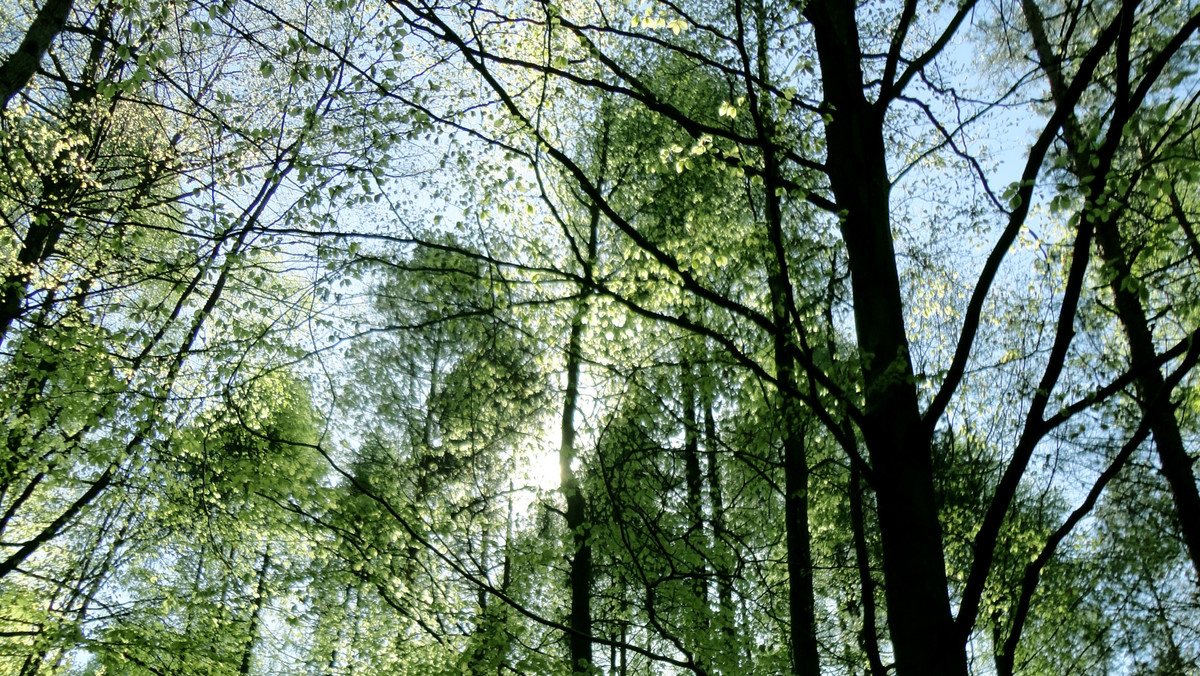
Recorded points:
713,337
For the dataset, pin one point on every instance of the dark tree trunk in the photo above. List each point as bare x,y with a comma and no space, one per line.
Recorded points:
1155,401
869,637
805,658
802,615
59,190
580,561
918,604
260,590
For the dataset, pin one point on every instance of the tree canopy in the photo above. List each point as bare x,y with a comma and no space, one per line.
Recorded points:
581,338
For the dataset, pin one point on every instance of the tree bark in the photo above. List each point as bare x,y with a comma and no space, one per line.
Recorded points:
580,561
918,604
802,631
59,190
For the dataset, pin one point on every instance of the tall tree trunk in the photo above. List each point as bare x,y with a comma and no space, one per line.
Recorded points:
624,670
579,621
805,657
260,590
918,603
1176,463
868,638
694,481
580,561
721,556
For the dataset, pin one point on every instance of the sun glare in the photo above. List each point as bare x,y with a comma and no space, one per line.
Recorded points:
543,470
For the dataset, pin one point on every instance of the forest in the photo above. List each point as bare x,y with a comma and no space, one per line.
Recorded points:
590,338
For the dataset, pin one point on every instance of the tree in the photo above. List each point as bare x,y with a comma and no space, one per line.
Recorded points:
1095,163
126,221
839,389
851,108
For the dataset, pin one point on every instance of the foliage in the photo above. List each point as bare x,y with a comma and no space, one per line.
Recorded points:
577,338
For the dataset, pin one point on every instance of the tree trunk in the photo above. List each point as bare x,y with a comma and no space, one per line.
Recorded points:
868,638
694,480
918,604
60,189
721,556
1176,463
805,658
580,561
802,635
260,590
